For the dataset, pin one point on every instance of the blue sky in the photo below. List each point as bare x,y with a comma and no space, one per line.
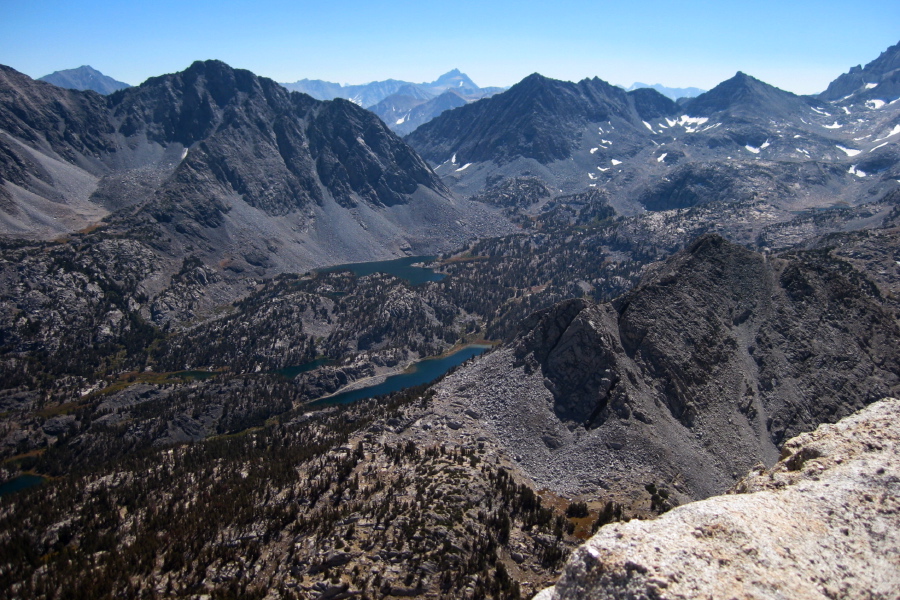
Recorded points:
796,45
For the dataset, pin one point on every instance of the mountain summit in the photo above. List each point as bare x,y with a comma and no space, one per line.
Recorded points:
744,96
538,118
84,78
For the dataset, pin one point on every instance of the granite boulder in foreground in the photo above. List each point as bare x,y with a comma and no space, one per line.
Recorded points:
824,522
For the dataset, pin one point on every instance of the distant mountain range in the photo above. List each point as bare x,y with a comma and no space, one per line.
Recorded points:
673,93
84,78
402,105
742,140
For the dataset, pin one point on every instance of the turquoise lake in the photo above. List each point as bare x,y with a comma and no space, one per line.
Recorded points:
424,371
400,267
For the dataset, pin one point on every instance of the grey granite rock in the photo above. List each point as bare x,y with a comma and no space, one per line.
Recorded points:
823,523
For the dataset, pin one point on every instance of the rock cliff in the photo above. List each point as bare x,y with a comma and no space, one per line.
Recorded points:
718,357
822,523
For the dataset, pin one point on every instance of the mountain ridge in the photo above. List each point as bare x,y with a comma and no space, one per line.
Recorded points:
187,149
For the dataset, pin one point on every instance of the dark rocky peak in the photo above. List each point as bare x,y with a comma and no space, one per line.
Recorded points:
355,152
278,149
538,118
878,79
650,104
744,97
188,106
84,78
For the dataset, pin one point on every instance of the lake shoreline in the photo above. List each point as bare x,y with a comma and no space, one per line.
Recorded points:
409,368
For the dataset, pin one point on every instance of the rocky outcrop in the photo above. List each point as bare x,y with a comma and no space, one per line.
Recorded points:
822,523
708,366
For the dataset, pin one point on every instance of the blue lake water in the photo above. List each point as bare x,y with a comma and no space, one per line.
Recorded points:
291,372
20,483
424,371
400,267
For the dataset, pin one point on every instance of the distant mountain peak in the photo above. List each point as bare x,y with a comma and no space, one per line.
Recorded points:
84,77
454,78
674,93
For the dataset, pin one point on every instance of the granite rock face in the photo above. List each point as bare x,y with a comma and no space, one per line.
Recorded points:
708,366
824,522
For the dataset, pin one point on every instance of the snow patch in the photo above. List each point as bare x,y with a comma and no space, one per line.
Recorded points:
821,112
594,150
846,110
402,119
893,132
602,170
615,162
848,151
464,167
602,141
871,86
592,176
875,104
662,157
752,149
834,125
648,126
882,145
453,160
184,154
691,124
765,145
854,171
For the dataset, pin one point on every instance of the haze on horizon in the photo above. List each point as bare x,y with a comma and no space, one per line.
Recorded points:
797,46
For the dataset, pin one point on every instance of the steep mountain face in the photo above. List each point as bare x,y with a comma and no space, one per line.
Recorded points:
880,79
220,156
705,368
84,78
538,118
830,502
